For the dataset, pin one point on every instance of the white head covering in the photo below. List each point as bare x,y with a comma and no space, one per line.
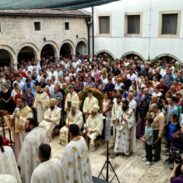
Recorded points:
95,108
75,104
53,101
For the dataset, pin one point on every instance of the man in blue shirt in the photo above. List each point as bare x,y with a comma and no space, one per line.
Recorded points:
57,95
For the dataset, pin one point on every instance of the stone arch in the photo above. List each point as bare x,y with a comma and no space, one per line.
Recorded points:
51,48
168,56
132,54
27,52
81,47
67,48
7,55
105,52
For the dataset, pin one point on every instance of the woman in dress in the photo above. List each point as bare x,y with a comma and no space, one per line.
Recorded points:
6,103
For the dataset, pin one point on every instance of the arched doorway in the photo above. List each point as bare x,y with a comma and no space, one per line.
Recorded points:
167,59
48,51
26,54
81,48
133,56
66,50
5,58
105,56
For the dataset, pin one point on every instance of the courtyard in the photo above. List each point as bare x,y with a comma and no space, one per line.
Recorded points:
129,169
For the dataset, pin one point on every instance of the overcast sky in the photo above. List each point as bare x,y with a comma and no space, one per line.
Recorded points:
106,6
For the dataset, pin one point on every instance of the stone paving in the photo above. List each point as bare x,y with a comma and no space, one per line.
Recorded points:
129,169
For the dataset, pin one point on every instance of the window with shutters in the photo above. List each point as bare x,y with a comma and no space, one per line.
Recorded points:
104,24
133,25
169,25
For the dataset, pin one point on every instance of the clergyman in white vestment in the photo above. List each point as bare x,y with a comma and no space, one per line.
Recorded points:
17,122
75,116
116,114
8,163
41,103
94,126
52,117
89,103
75,159
125,136
5,178
28,159
49,170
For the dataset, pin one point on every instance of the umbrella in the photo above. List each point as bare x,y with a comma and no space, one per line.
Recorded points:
40,4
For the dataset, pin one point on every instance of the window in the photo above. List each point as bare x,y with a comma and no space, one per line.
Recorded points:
37,26
104,25
66,25
133,24
169,23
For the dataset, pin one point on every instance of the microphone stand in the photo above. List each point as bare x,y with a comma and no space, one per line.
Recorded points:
107,163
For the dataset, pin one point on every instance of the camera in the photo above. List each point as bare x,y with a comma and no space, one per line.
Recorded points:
176,155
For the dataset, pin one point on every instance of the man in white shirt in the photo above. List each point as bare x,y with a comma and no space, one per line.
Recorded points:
118,84
39,76
30,67
50,86
52,73
132,102
132,75
19,81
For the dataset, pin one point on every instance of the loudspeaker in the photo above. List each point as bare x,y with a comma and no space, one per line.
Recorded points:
107,129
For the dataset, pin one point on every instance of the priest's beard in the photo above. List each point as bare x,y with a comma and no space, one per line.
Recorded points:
73,113
27,130
52,107
124,108
93,115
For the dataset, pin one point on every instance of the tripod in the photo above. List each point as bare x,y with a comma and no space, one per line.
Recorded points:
107,164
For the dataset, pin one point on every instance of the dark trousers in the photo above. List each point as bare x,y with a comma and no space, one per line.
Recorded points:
148,152
157,145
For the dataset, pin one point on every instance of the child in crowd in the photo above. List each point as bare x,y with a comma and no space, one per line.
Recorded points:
171,129
148,140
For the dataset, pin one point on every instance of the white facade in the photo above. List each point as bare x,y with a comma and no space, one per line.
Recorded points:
150,44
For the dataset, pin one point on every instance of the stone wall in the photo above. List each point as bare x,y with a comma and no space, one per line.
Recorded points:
19,32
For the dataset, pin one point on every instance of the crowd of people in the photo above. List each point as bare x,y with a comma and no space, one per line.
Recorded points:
41,100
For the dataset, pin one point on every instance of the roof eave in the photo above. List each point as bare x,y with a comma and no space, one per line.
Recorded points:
44,15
